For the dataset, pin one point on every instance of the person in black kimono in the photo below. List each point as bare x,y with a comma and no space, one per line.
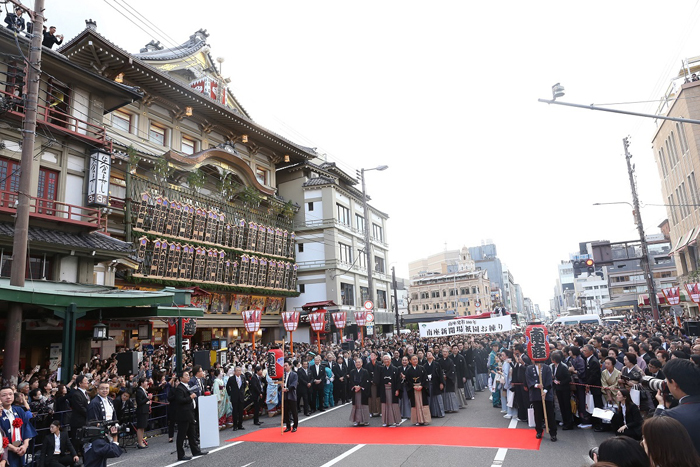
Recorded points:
461,375
449,375
436,386
404,401
521,396
468,354
387,379
417,387
340,381
375,405
360,386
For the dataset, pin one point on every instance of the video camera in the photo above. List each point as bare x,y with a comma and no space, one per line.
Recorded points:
101,429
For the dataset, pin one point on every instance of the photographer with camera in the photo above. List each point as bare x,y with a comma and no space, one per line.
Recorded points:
101,447
683,382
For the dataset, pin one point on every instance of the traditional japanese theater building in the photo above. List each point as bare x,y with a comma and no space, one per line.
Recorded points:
193,188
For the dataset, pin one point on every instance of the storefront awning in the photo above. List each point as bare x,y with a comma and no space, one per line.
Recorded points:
643,299
686,241
625,301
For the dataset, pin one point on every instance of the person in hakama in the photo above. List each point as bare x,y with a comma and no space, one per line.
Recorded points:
436,386
360,389
375,405
460,375
417,387
404,401
387,380
449,375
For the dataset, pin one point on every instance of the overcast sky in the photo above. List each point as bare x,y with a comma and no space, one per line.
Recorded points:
445,93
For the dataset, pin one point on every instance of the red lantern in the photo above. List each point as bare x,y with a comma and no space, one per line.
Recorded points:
189,327
275,363
318,320
251,320
339,319
361,318
290,319
537,342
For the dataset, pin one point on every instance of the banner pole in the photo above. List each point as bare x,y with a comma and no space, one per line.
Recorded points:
544,403
282,408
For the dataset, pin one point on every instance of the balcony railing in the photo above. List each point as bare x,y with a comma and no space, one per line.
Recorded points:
56,211
61,122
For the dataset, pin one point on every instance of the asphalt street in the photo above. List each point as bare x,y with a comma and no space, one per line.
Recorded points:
570,450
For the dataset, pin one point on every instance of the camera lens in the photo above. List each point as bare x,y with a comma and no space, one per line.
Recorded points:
593,451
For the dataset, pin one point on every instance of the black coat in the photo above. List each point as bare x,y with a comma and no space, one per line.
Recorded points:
634,421
468,355
340,372
236,394
460,368
48,445
320,375
360,378
255,386
448,373
563,376
384,376
303,376
96,409
593,375
181,404
372,370
78,404
688,413
142,406
434,372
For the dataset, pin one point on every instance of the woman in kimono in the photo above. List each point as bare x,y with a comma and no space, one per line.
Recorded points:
360,385
417,387
436,386
509,410
386,378
272,392
328,388
219,390
449,375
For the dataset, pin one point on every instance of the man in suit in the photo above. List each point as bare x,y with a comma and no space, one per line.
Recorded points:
317,375
532,378
101,407
235,387
183,405
304,387
683,380
198,387
592,377
256,391
57,450
562,388
289,389
79,401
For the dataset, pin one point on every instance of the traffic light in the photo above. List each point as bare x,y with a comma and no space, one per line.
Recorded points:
590,265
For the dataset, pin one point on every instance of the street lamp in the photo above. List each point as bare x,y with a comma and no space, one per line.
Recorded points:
368,221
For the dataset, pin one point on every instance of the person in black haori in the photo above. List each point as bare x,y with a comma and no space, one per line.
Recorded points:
360,387
404,401
461,375
417,387
387,379
436,386
375,405
449,398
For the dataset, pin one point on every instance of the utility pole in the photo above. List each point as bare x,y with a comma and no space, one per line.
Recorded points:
19,246
640,227
396,299
368,243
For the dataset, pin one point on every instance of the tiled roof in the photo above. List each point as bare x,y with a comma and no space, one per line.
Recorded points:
317,181
88,241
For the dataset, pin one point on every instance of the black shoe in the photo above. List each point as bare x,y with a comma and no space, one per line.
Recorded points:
308,414
170,440
235,429
287,429
241,428
141,447
539,436
258,423
599,429
294,430
201,453
322,410
553,438
184,458
567,427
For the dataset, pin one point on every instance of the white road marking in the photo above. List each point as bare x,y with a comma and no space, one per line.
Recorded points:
225,446
249,464
110,465
343,455
501,453
324,412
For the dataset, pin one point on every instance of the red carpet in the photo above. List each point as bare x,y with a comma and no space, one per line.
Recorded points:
415,435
